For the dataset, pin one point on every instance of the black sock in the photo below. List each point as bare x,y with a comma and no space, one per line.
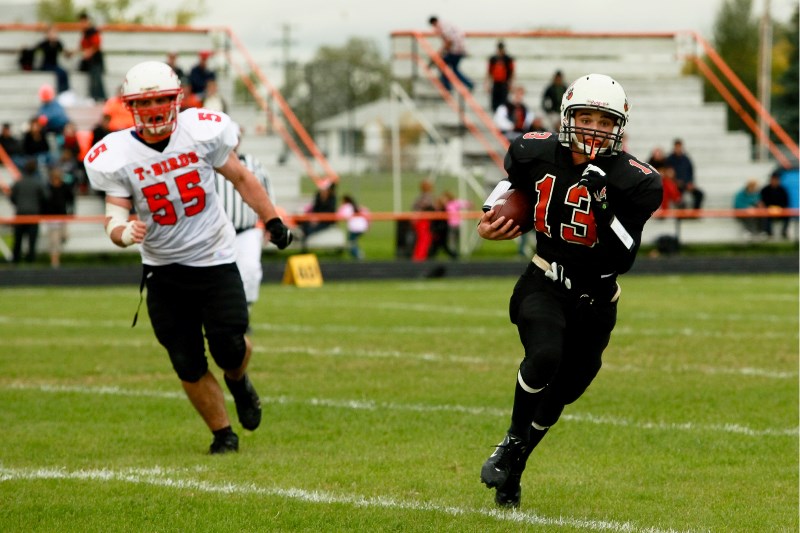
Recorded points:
535,438
525,404
236,387
227,430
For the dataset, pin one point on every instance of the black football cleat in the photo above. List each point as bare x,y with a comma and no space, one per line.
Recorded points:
224,444
248,405
510,492
507,456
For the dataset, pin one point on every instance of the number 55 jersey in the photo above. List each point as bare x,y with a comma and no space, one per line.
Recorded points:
173,191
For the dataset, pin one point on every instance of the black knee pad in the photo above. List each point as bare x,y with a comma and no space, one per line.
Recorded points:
542,357
190,368
228,350
548,412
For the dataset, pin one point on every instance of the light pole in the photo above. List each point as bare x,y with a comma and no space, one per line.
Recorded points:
764,77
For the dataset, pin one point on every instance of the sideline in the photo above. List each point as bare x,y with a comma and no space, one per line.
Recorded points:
402,269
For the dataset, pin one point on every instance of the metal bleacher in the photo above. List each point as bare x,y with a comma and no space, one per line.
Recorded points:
666,103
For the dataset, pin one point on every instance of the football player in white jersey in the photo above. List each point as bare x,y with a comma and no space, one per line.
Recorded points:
164,168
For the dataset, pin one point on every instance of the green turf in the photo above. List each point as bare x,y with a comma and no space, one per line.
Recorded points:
383,399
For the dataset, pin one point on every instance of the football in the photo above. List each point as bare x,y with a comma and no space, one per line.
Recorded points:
517,205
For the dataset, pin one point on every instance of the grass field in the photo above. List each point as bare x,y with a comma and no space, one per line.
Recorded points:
383,399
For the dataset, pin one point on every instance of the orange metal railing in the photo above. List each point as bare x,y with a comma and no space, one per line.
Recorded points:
390,216
287,112
482,128
740,87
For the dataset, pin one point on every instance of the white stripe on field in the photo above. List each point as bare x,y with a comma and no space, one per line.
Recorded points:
163,478
338,352
370,405
688,332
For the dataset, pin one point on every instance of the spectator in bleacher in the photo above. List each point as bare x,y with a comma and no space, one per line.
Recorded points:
454,206
11,144
101,129
51,113
50,48
684,174
423,237
190,99
120,116
453,50
749,197
672,195
70,162
499,74
551,101
212,100
513,118
439,232
201,73
35,145
60,201
355,217
172,61
28,195
68,140
91,49
672,198
324,202
657,158
774,196
72,172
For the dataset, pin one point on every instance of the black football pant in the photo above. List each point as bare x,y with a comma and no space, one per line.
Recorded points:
564,333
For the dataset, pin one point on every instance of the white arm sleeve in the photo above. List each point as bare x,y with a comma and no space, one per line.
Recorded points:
499,189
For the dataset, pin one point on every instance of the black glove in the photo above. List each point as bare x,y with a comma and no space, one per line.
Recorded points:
279,233
594,179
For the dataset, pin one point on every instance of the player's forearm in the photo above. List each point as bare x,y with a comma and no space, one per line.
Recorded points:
256,197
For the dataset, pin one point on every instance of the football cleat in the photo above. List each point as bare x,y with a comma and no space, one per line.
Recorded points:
248,406
224,444
507,456
510,492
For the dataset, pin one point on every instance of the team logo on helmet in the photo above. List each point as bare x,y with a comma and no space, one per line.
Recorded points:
569,92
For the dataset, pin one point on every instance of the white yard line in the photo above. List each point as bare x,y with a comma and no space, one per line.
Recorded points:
181,480
343,352
369,405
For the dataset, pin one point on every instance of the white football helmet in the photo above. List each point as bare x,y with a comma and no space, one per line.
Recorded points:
598,92
149,80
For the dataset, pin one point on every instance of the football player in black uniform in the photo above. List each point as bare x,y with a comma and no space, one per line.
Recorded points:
591,203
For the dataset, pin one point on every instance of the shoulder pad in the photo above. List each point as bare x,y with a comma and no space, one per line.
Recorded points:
99,158
541,145
628,169
203,124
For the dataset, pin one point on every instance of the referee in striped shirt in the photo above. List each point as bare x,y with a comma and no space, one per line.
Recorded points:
249,229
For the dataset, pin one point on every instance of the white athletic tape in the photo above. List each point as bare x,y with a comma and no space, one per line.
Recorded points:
525,386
